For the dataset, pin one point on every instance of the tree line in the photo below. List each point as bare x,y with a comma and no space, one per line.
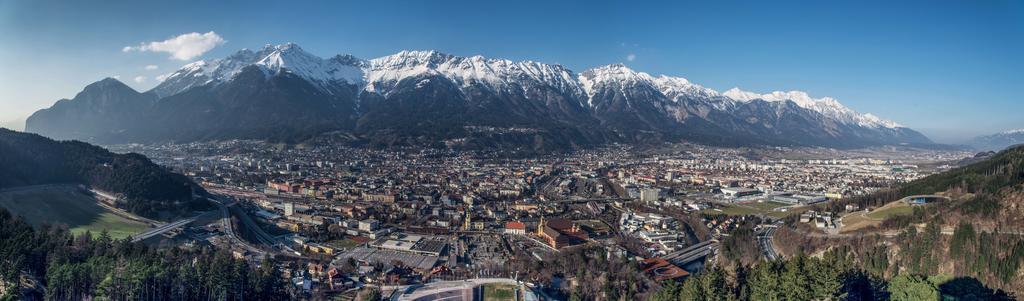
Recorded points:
832,276
69,267
984,181
148,189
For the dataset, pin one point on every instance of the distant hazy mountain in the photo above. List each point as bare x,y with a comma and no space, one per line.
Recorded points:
431,98
998,141
30,159
17,124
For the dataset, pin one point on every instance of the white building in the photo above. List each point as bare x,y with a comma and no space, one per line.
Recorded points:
368,225
739,191
648,195
289,209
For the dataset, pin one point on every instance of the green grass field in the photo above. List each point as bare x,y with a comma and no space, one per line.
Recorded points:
67,205
499,292
891,210
859,220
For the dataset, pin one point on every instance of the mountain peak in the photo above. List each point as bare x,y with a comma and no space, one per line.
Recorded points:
616,67
108,80
736,94
272,60
107,83
285,46
615,73
409,58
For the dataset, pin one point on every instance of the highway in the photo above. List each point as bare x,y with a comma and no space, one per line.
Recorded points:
161,229
447,290
261,236
225,223
764,241
692,253
118,211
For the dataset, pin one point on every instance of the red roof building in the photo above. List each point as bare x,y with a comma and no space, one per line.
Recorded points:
515,228
661,270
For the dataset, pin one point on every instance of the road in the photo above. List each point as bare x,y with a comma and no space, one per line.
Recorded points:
693,253
896,233
264,238
119,211
765,240
161,229
446,290
225,223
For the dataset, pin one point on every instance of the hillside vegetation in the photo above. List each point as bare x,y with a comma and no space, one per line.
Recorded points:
990,189
977,233
69,205
96,267
148,189
831,276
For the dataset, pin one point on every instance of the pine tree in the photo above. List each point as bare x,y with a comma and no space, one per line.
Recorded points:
764,282
795,281
912,288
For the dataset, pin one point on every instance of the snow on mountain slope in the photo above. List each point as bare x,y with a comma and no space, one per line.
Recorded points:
998,141
272,60
622,77
290,57
382,74
828,106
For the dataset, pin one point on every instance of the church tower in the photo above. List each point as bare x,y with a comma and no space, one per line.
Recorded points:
540,226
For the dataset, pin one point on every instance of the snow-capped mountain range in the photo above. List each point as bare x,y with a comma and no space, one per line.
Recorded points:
381,74
998,141
608,103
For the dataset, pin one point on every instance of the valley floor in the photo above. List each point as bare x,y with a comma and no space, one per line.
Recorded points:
70,205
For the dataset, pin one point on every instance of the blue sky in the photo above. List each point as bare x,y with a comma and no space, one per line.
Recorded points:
950,69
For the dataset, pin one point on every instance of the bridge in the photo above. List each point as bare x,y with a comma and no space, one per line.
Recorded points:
464,290
161,229
692,253
262,237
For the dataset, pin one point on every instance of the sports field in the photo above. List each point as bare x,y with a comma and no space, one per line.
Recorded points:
67,205
499,292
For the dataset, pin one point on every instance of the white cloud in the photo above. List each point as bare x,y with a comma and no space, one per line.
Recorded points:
162,77
631,57
152,67
140,79
183,47
117,77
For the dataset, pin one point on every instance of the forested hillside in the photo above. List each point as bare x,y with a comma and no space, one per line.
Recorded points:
990,189
977,233
62,267
149,189
832,276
